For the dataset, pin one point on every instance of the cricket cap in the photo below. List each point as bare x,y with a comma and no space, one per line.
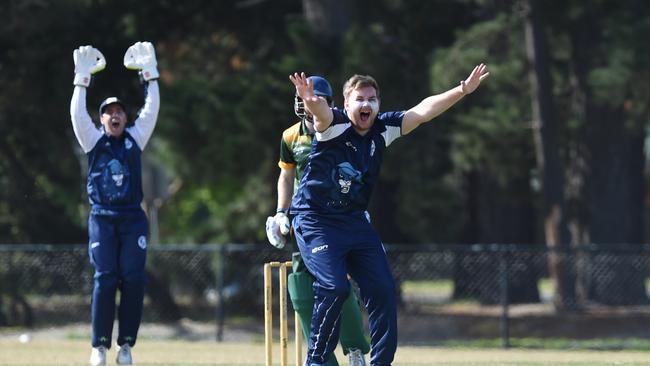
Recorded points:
111,100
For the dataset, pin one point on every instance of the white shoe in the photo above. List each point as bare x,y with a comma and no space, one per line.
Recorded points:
98,356
124,355
356,358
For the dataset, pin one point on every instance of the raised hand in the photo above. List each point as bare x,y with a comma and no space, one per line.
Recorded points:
304,86
474,79
142,56
87,61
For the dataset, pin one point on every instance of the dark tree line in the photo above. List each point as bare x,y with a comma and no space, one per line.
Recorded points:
549,151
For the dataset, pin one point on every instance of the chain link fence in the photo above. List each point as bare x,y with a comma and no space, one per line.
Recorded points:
46,285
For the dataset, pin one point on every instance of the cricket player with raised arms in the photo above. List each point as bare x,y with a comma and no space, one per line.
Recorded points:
333,234
295,147
117,225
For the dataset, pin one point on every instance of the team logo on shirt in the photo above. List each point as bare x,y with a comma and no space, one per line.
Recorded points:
346,175
372,148
117,172
142,242
128,144
346,185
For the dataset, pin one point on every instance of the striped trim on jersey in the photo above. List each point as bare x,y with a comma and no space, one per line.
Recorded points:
340,125
344,165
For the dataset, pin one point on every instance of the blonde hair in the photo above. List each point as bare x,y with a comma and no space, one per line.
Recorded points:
359,81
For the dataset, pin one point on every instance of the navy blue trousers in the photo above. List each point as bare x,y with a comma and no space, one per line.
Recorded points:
118,251
333,246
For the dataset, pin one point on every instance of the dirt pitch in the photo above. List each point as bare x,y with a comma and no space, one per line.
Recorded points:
183,352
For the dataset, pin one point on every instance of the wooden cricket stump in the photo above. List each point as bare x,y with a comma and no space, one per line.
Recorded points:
284,325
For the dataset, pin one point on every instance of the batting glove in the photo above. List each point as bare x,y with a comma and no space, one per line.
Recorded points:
277,228
142,56
87,61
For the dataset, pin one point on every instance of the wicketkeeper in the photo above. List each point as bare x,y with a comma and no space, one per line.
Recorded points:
117,225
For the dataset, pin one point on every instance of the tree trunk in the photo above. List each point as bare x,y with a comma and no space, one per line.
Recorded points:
615,191
549,164
499,213
326,17
614,182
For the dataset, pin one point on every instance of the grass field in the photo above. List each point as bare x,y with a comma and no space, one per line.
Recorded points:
178,353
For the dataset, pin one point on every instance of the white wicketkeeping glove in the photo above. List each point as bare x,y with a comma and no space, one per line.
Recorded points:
87,61
277,228
142,56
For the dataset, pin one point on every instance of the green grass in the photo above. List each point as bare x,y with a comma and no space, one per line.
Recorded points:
445,287
557,344
441,286
186,353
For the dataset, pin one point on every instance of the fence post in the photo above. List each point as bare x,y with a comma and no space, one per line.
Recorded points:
221,307
503,274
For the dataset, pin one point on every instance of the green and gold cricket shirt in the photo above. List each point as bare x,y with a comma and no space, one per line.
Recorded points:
294,149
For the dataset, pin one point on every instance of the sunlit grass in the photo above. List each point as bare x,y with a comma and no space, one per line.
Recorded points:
600,344
443,288
440,286
181,353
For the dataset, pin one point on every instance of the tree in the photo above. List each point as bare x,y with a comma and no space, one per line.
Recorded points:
414,201
549,162
493,156
610,142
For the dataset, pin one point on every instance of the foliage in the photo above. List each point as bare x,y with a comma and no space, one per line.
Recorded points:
492,132
226,99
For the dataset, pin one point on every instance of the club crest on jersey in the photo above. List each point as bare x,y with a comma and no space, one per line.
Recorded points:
117,172
345,185
349,144
372,148
128,144
142,242
345,175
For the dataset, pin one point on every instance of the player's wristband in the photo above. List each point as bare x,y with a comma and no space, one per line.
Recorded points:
283,210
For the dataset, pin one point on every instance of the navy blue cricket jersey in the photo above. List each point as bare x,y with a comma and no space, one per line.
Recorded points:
114,164
114,176
344,166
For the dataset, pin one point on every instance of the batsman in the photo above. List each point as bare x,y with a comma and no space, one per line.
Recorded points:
117,225
295,147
